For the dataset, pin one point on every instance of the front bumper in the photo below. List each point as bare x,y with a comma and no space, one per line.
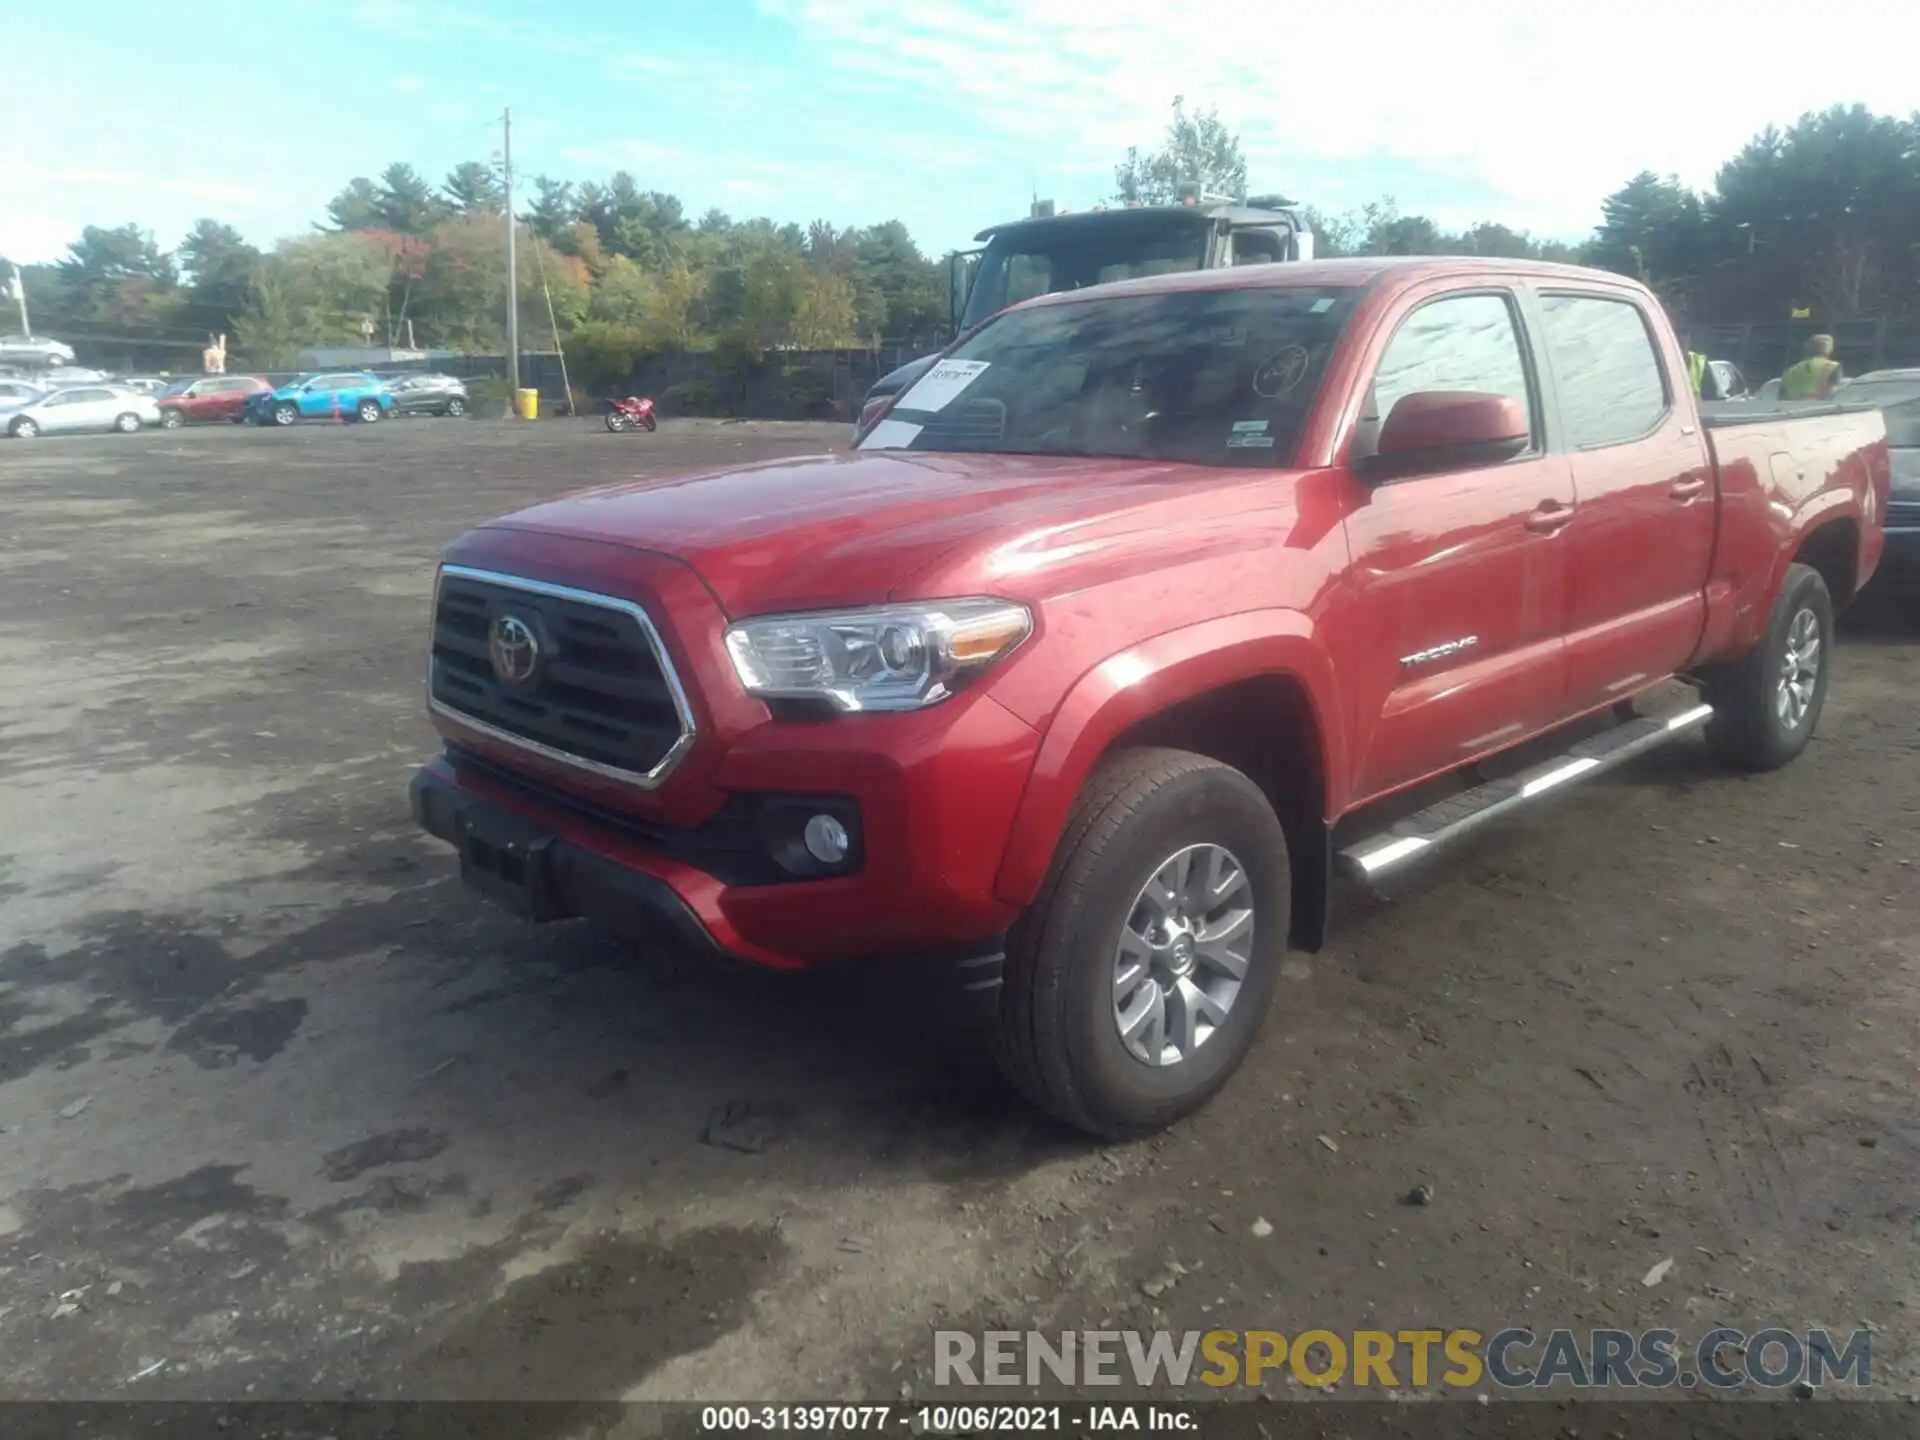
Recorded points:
922,886
538,874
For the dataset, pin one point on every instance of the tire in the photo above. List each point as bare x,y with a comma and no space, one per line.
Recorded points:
240,419
171,419
128,424
650,422
616,422
285,413
368,411
1762,716
456,407
1057,1036
23,429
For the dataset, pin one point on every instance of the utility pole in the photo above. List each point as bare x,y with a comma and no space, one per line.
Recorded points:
19,288
513,268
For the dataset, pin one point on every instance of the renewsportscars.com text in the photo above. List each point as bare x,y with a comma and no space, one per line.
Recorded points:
1509,1359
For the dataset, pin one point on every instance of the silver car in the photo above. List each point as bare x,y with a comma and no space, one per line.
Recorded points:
15,393
83,407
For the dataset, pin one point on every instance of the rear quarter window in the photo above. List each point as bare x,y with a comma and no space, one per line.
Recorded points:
1607,372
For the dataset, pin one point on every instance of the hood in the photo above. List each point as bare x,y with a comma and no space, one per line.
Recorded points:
849,529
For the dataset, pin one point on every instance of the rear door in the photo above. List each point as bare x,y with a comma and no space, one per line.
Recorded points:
224,398
1459,577
1641,546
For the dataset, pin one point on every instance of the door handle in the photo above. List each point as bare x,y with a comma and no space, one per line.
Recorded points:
1688,488
1549,517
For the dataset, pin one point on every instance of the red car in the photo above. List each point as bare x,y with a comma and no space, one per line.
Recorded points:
211,397
1093,661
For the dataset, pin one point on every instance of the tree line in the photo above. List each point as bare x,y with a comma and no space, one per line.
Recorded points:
1822,216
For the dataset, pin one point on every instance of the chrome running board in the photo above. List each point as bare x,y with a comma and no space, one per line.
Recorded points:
1422,833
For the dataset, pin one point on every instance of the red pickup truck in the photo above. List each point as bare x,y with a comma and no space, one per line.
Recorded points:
1088,666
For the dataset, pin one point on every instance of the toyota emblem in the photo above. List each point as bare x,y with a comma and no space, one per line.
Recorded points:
514,649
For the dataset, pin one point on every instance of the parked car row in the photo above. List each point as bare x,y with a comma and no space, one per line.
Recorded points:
29,409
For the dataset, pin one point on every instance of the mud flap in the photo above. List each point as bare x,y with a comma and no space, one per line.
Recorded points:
1312,847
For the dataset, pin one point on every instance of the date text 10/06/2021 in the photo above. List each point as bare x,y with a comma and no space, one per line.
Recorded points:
962,1419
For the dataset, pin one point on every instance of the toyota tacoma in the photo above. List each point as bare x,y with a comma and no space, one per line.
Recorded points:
1090,667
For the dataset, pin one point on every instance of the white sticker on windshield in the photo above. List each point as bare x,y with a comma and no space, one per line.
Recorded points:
1255,427
891,435
1322,305
941,385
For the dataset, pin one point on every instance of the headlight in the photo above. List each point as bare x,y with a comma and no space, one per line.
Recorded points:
890,657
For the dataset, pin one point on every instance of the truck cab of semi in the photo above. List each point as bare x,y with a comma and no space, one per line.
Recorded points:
1052,250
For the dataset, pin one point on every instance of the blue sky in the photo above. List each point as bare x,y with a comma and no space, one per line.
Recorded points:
943,113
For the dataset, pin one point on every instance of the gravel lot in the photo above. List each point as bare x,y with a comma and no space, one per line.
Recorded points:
289,1114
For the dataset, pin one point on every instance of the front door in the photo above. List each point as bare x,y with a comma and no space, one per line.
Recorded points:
1640,550
1459,578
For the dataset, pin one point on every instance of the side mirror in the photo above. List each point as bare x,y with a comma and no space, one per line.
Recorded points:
1435,430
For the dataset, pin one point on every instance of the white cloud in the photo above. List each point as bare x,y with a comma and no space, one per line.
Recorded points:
409,84
1548,107
64,177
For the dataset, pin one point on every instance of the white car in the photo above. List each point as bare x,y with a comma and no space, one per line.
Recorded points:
83,407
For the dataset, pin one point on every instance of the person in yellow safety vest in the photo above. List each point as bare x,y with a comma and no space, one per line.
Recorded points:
1815,377
1696,369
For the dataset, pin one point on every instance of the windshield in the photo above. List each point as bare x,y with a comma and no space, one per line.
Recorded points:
1024,262
1203,377
179,387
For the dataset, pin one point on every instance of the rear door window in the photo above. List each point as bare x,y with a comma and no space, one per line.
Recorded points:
1610,385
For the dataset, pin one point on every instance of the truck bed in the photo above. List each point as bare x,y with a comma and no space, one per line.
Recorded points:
1725,414
1786,471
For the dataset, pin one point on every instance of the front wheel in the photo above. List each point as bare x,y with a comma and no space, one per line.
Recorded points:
616,421
285,413
1766,704
1136,982
368,411
456,407
23,429
126,424
171,420
649,421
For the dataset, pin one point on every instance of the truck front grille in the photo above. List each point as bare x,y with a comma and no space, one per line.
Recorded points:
600,693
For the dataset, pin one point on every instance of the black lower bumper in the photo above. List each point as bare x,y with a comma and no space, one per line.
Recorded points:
541,877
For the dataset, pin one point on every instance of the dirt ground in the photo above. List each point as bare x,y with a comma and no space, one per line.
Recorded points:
285,1112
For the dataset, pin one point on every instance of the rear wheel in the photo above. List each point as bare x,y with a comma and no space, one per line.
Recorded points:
456,407
368,411
616,421
171,420
1767,704
1136,982
126,424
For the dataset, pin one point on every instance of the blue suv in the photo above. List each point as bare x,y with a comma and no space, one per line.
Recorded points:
350,396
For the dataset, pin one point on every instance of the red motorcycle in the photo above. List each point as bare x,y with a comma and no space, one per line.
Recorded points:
633,413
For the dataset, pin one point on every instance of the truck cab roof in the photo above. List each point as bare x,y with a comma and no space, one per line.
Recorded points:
1264,210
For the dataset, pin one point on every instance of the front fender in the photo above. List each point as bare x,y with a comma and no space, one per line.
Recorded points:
1143,681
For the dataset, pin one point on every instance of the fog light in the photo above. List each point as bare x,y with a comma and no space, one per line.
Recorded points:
827,839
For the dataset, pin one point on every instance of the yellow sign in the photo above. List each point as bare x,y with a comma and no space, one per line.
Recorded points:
1801,312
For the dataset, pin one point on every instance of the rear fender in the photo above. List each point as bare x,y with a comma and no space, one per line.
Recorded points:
1142,682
